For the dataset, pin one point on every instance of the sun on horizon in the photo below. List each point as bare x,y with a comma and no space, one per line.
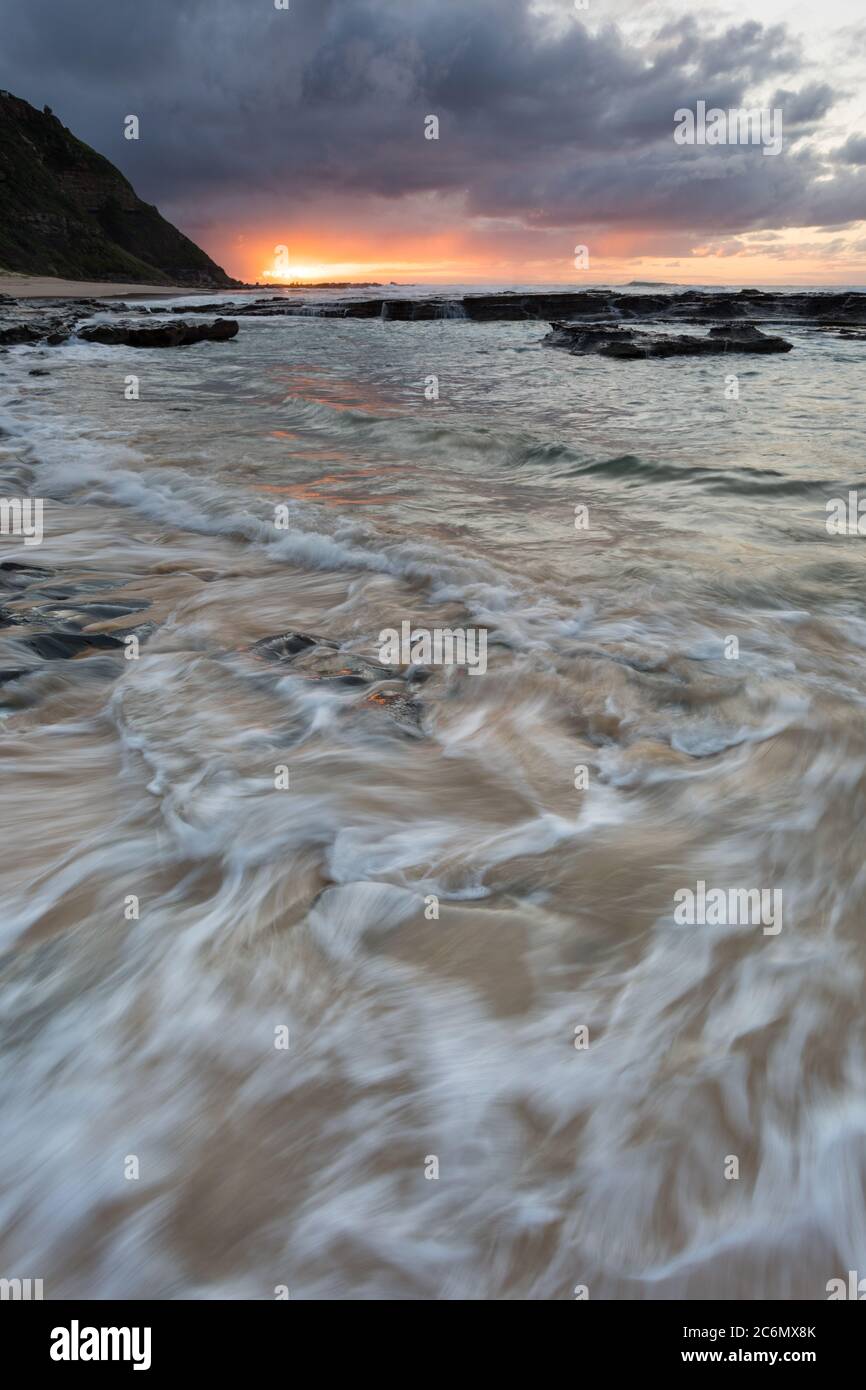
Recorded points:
416,261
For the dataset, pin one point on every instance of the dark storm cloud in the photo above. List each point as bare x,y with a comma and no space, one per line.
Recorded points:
244,106
749,50
853,151
806,107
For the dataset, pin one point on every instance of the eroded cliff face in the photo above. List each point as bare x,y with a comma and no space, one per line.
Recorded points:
66,211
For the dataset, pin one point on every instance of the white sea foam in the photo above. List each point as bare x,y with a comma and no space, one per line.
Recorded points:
308,909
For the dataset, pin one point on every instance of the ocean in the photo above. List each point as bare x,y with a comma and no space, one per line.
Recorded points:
314,985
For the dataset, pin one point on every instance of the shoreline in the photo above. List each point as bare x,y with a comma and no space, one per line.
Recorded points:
19,286
49,287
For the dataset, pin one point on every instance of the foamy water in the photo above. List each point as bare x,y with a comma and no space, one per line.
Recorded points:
413,1038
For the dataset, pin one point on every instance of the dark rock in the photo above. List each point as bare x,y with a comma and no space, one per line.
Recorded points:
14,574
72,617
399,705
106,611
287,645
348,668
274,305
828,308
36,321
60,646
617,340
20,333
388,690
688,306
319,658
47,621
160,335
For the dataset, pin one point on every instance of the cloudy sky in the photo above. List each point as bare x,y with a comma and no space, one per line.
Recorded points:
305,127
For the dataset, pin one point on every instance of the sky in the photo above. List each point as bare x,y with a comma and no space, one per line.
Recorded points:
304,128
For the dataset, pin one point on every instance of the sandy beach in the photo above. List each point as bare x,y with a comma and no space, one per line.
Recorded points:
47,287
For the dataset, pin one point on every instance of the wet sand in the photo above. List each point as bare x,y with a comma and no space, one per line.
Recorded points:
46,287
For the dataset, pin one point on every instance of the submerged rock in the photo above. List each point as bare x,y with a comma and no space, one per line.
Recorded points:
41,633
61,646
320,659
398,703
19,573
388,688
287,645
618,340
160,335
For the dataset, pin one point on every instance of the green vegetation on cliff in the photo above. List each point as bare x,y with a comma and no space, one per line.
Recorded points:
66,211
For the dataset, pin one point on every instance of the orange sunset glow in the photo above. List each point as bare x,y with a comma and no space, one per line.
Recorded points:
536,257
